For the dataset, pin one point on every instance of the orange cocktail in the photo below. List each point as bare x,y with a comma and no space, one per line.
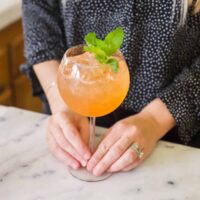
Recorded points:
93,80
91,88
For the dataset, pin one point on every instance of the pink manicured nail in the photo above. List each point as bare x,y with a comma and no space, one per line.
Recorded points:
75,166
96,172
87,156
83,163
89,169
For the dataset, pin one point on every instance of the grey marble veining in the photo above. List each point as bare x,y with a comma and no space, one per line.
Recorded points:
29,172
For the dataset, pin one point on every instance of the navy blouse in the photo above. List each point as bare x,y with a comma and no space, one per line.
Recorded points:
163,57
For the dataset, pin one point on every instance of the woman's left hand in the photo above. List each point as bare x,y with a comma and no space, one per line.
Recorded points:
114,153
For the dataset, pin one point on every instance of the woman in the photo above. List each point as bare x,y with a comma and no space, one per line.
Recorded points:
162,49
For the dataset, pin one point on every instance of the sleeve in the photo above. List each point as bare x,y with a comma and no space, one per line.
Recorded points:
182,98
43,36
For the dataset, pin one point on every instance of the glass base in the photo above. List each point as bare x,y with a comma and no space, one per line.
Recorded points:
83,175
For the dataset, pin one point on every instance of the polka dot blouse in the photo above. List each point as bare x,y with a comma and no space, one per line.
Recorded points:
163,57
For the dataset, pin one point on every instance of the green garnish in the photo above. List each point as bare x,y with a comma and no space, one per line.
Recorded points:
105,49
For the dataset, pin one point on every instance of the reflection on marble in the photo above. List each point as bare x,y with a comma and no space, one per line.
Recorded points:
29,172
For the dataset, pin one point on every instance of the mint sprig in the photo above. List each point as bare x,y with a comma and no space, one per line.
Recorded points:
105,49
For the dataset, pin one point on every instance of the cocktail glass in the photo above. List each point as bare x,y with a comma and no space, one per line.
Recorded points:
93,90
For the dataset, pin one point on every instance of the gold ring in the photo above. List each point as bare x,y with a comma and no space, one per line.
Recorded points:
137,150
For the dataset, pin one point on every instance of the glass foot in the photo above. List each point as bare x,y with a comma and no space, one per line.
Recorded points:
83,175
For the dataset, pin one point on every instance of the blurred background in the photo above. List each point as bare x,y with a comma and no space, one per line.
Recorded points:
15,88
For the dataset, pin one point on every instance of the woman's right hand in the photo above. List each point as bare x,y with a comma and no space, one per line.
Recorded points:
67,137
67,132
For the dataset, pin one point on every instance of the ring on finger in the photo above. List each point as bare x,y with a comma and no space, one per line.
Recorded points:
137,150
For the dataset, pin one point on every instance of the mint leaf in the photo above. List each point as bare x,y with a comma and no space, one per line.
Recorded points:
102,45
90,39
104,49
114,40
114,64
99,53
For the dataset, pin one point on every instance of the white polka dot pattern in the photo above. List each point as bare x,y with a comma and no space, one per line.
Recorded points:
163,58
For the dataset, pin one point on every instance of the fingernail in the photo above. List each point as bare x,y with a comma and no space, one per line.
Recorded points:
89,168
75,166
83,163
96,172
87,156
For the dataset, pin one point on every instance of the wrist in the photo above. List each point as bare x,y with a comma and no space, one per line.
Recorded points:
160,116
57,106
55,100
150,125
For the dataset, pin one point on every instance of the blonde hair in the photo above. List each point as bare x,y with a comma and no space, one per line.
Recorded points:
184,9
197,6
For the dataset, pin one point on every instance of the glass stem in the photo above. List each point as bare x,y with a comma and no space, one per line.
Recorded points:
92,141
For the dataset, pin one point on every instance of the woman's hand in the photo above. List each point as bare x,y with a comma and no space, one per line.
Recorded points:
145,129
67,136
67,132
114,152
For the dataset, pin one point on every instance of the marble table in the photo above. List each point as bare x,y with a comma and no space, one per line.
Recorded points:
29,172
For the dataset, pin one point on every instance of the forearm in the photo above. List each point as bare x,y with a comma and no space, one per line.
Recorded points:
159,113
47,74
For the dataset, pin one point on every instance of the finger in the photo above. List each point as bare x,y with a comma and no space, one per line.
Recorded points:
60,154
128,158
64,144
136,162
132,166
112,155
72,135
104,146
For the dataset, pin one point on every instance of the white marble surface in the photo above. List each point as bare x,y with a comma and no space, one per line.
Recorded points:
29,172
10,11
3,109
